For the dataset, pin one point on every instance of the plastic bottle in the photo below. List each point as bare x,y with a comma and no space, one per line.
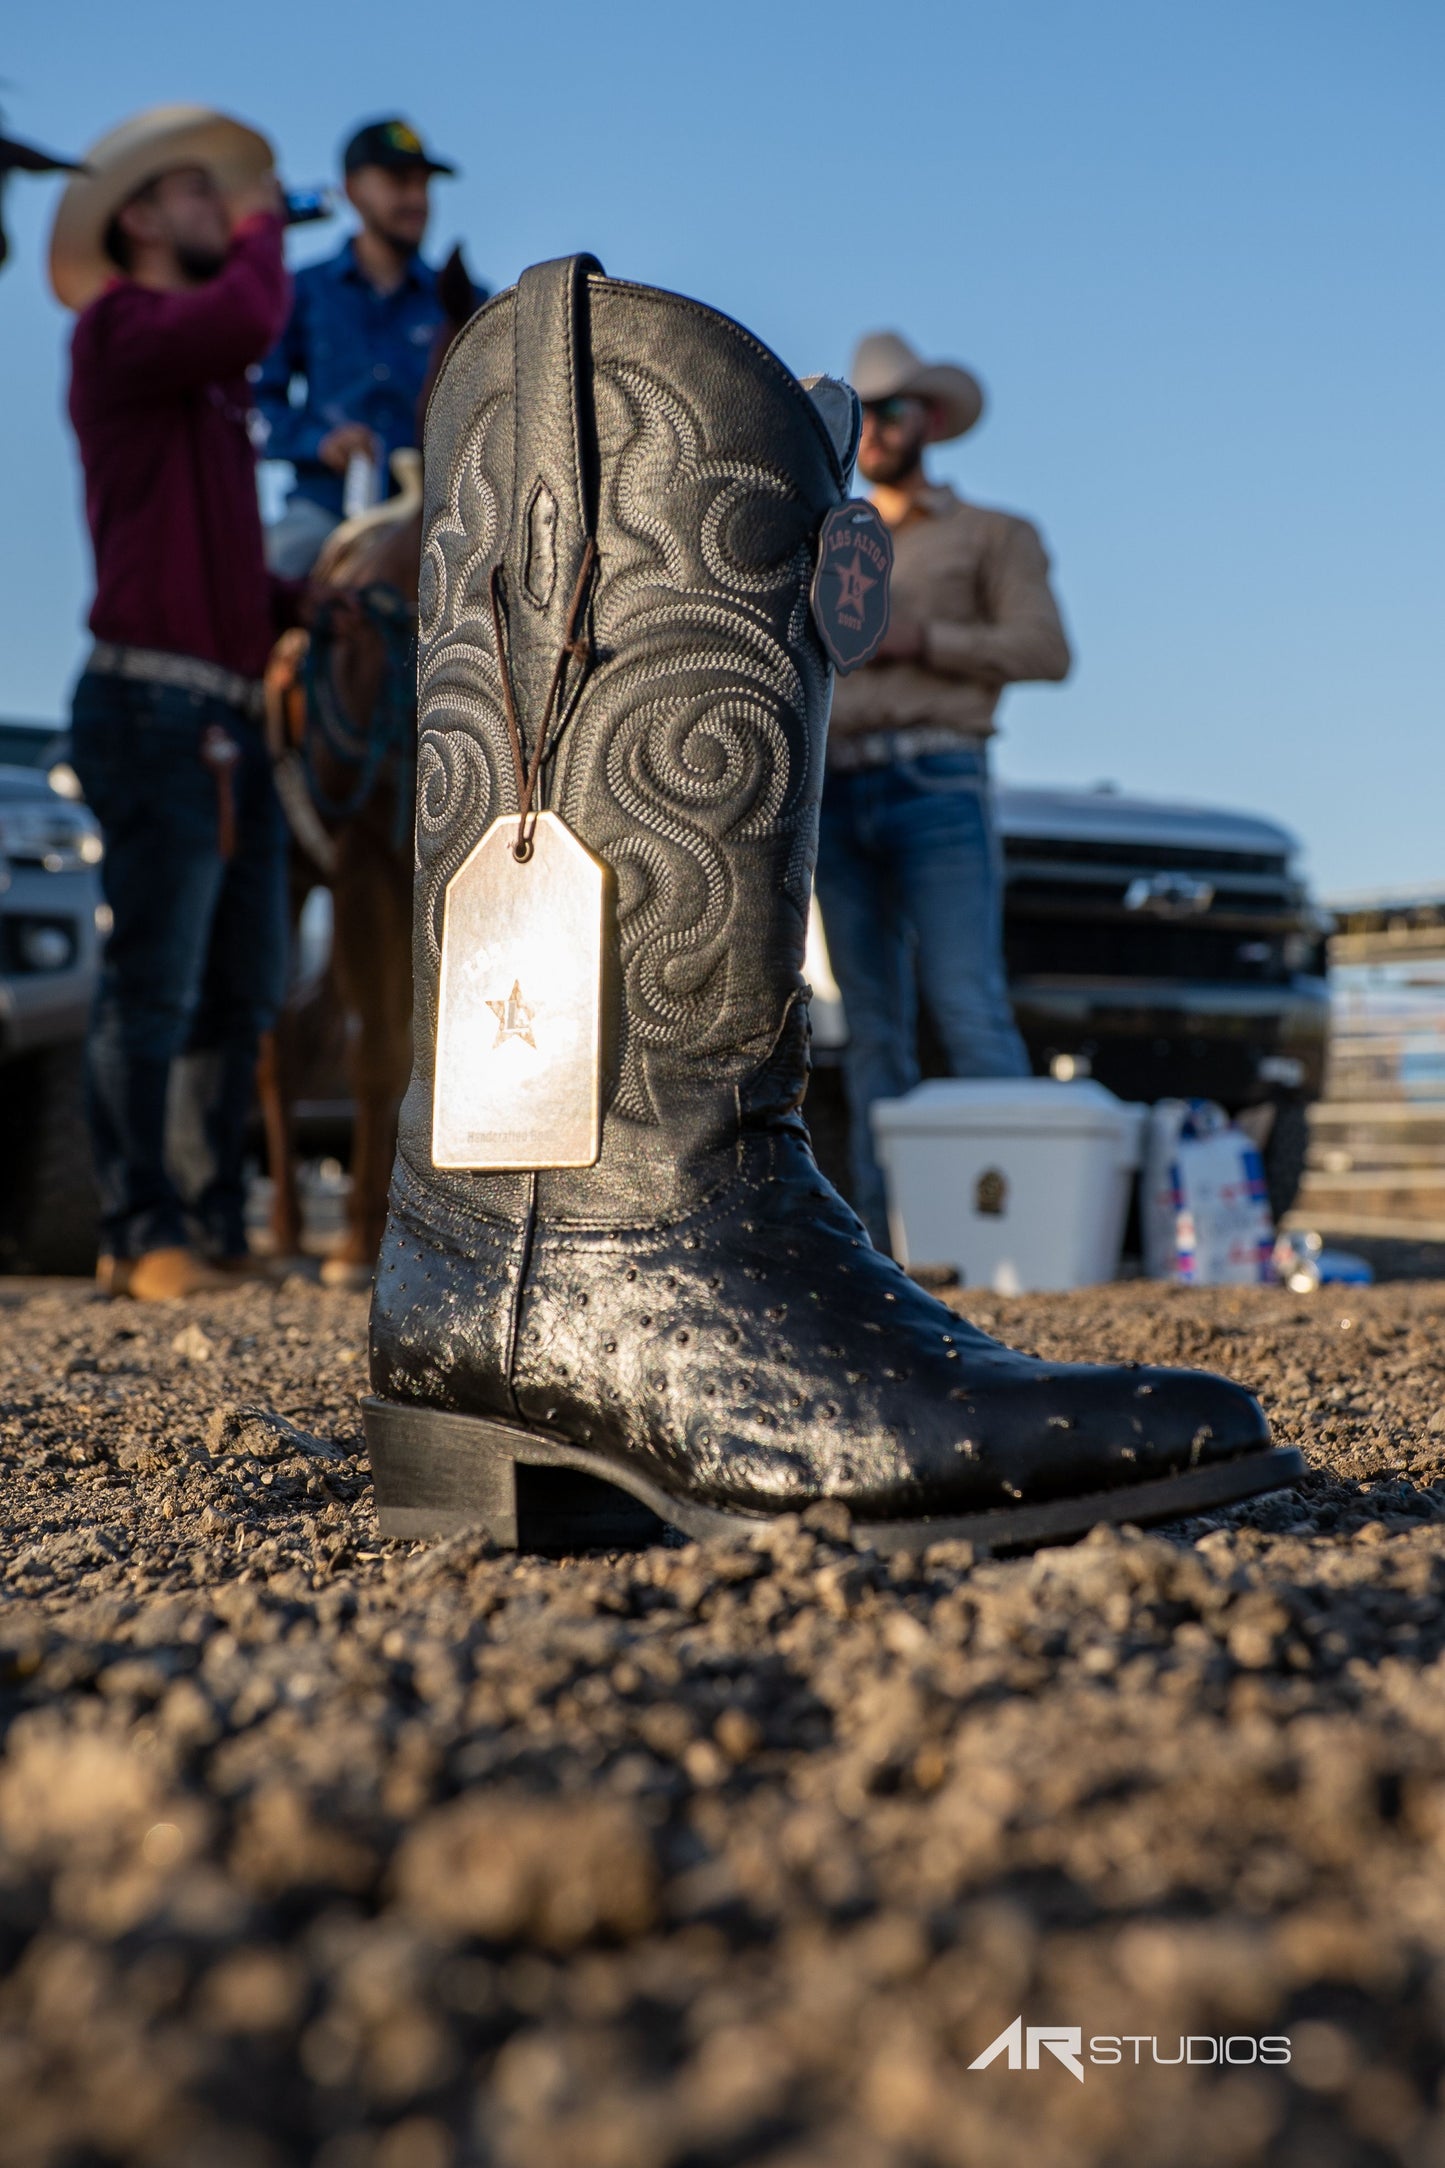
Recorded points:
360,491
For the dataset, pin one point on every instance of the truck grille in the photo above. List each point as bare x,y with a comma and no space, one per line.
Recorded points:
1146,857
1065,914
1070,949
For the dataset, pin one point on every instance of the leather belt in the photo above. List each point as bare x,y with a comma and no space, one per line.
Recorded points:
152,666
880,748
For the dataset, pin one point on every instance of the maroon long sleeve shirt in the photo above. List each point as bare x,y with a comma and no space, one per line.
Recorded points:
159,402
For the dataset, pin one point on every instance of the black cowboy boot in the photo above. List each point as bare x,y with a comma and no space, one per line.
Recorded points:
624,498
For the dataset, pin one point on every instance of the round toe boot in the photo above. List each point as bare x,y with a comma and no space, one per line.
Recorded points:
625,498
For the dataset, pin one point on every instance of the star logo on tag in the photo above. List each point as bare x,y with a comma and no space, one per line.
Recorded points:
853,585
514,1018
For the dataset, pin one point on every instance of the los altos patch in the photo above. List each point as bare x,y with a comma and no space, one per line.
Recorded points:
850,585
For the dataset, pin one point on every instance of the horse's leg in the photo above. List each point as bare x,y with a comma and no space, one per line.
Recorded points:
280,1159
372,952
276,1086
393,1028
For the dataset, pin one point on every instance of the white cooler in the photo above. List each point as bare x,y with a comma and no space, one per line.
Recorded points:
1017,1182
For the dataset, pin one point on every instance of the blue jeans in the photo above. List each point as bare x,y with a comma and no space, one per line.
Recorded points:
194,968
910,887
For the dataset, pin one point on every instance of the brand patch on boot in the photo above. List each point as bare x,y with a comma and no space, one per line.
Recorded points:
850,585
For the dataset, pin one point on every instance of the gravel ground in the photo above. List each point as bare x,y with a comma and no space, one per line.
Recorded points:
315,1848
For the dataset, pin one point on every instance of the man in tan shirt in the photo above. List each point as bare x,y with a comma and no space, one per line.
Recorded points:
909,876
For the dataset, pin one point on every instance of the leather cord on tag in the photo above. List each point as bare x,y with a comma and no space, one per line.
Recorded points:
574,645
220,753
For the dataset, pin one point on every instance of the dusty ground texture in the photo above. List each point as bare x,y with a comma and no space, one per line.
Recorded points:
315,1848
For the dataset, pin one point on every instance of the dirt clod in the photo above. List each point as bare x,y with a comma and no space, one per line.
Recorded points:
555,1873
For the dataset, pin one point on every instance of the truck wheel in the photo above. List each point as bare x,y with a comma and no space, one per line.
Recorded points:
1284,1155
49,1208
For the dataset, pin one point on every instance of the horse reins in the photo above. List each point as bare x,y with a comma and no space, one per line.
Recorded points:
388,738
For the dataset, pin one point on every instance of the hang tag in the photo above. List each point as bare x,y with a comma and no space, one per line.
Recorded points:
519,1019
850,584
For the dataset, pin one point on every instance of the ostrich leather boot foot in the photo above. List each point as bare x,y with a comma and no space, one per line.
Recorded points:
625,496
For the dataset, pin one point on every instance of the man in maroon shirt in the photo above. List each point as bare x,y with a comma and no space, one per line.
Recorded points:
169,244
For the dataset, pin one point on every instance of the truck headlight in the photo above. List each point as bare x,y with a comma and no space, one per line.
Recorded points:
57,836
46,948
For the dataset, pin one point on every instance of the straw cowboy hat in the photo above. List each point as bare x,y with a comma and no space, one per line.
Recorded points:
886,367
138,151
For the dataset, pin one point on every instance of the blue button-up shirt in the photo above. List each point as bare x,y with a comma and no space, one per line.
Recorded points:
348,354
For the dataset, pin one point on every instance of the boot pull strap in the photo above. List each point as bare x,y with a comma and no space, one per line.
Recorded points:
553,512
556,435
551,548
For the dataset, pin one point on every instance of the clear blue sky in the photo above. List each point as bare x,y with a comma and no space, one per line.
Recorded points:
1193,247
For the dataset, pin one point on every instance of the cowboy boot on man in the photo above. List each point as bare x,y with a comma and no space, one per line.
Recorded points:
168,246
908,877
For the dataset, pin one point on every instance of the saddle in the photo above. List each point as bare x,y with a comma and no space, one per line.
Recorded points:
305,718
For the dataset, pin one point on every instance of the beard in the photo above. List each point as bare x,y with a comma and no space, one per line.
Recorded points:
199,264
405,244
891,468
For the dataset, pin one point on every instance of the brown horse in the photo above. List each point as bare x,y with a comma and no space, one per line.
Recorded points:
341,712
341,717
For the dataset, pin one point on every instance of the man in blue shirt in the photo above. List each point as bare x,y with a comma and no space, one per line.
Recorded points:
347,373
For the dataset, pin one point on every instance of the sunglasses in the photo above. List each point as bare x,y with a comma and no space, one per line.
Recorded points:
888,411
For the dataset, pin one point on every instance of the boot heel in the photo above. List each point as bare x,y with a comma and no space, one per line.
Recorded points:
435,1473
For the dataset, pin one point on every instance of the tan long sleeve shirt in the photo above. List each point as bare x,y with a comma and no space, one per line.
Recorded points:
977,580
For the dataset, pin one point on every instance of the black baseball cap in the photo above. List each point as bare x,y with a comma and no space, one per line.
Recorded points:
391,143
